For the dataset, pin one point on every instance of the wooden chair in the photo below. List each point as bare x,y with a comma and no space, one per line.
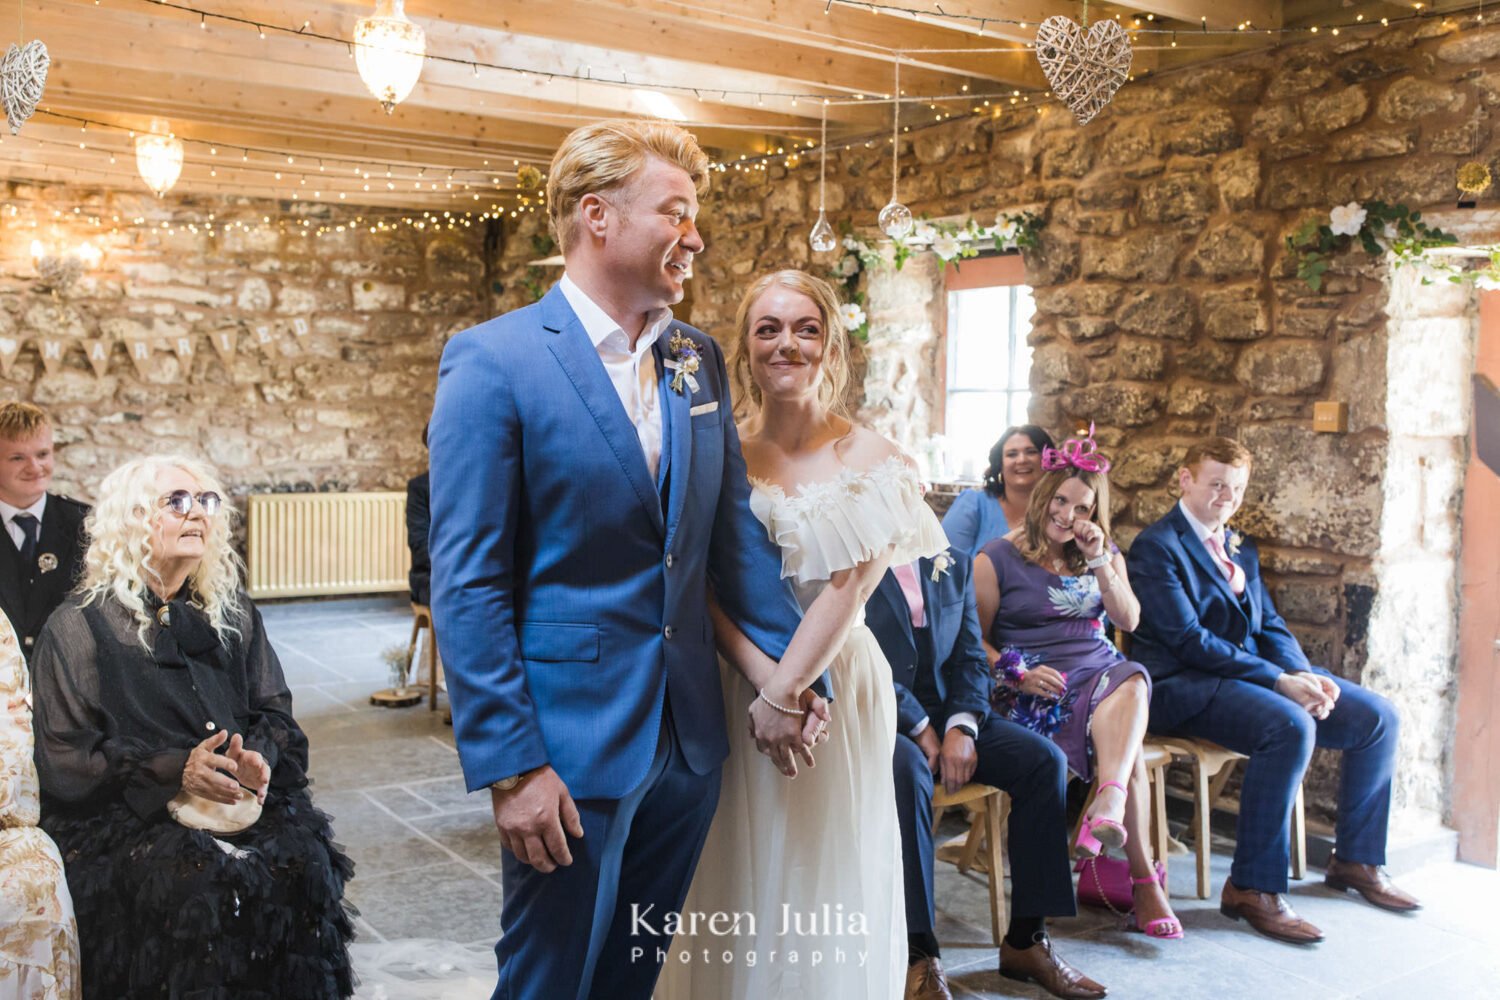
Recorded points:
1212,767
422,618
988,808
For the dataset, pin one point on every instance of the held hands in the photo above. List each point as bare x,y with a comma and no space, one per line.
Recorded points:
1090,538
532,818
219,777
784,737
1044,682
1313,692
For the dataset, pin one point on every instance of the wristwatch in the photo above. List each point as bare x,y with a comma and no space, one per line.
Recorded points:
506,784
964,727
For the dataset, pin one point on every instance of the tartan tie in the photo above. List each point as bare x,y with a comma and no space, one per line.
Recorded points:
30,527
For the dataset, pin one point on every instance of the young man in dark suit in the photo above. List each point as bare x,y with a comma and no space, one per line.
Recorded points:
924,616
41,557
1225,668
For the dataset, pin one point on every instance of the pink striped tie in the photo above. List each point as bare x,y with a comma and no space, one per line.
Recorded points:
1227,566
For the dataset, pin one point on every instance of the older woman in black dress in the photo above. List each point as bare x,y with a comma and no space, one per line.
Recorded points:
173,775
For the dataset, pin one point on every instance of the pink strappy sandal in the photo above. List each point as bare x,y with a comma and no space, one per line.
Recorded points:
1094,835
1162,928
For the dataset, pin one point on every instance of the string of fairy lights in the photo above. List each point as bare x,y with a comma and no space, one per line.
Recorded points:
278,169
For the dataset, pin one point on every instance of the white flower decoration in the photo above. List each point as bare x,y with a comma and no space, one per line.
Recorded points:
925,232
945,246
1488,281
850,243
1345,220
1007,229
852,315
941,563
849,266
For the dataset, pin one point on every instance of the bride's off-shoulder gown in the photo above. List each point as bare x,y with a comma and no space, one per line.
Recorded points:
807,871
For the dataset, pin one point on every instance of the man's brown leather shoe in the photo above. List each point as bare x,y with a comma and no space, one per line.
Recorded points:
1041,965
925,981
1267,912
1371,882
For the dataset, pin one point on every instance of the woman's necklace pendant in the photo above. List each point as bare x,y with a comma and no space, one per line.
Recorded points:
164,615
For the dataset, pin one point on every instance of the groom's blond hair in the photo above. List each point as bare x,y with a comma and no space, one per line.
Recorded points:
604,156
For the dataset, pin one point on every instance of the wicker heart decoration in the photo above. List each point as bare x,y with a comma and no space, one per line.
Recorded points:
23,74
1085,68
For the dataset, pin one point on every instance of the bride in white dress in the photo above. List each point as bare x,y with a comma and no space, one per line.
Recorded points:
799,892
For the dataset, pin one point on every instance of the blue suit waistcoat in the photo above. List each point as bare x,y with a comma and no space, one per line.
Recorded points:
1194,632
569,596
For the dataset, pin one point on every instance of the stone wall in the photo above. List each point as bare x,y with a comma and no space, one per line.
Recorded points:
1167,308
334,399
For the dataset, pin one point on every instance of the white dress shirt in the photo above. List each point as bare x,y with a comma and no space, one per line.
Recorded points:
633,373
8,514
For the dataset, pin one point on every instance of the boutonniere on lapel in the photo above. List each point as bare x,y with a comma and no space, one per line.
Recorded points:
941,564
683,363
1232,542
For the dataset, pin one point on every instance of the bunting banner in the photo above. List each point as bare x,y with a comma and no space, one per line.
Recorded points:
98,351
9,348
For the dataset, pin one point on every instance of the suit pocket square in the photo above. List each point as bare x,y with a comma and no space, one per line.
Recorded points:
703,408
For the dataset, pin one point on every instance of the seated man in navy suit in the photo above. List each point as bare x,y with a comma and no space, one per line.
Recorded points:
1225,668
924,616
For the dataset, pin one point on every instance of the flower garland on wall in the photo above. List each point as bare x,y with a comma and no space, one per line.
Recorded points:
1377,227
951,242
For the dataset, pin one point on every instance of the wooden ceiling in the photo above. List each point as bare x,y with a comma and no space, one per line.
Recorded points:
287,116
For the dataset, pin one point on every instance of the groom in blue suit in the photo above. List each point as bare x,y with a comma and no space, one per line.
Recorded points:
587,488
925,618
1225,668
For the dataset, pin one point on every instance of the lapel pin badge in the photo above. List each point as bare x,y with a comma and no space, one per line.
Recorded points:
46,562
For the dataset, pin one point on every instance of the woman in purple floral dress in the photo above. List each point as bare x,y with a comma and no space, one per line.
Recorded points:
1044,591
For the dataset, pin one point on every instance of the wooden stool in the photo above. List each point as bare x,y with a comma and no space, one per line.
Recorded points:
1156,757
422,618
988,807
1213,766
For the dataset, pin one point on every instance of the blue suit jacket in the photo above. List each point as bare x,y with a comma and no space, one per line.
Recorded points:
961,667
1194,631
569,596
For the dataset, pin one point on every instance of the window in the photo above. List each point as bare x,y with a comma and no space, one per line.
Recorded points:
989,362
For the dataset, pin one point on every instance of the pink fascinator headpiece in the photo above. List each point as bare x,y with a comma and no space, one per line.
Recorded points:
1080,453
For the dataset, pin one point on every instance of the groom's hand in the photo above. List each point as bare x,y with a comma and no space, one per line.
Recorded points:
531,819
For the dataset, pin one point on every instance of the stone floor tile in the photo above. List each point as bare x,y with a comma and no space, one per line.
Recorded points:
445,901
471,835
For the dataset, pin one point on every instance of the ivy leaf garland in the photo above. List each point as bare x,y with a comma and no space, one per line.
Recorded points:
1375,226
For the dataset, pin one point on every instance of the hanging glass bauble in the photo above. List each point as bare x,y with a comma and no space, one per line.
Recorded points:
895,220
822,237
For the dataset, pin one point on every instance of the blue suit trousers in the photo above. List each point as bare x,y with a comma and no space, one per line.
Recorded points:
1278,736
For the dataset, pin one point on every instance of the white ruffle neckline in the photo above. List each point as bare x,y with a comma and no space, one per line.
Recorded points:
838,523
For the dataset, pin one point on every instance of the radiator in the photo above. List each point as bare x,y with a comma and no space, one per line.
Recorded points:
307,544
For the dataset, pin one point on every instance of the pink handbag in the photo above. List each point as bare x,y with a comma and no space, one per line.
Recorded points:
1106,882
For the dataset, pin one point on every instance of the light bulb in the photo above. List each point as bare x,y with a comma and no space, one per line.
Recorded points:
822,236
895,220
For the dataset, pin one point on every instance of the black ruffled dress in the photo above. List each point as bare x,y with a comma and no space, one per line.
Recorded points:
165,911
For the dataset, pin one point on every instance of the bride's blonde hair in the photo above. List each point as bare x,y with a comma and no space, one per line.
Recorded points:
834,380
118,563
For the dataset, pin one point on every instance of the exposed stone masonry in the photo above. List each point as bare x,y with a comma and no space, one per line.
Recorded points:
340,407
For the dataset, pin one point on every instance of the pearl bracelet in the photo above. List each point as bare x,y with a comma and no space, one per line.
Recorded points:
780,708
1102,559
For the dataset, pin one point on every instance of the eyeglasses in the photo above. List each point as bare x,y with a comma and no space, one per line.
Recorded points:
181,502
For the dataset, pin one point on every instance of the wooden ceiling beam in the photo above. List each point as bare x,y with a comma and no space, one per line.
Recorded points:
227,52
1216,13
